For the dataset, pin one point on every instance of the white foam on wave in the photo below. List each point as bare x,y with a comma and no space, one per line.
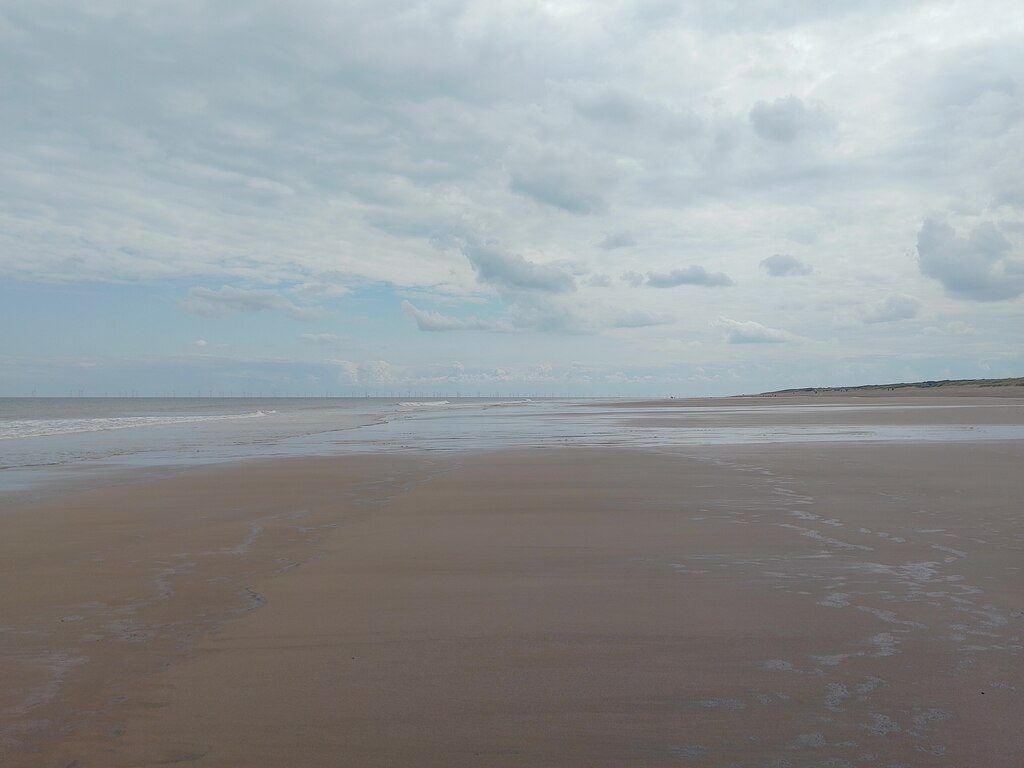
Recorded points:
19,428
424,404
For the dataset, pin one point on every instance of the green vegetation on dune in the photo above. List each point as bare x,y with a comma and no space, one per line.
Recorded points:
1011,382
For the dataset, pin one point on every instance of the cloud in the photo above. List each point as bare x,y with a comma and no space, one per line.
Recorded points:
634,279
537,296
622,115
626,137
749,332
897,306
427,320
367,373
320,338
513,272
783,265
960,328
638,319
547,313
573,181
952,328
551,189
977,267
785,119
200,342
693,275
615,240
229,300
611,106
321,290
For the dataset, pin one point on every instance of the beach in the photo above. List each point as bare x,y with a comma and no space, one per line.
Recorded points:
804,581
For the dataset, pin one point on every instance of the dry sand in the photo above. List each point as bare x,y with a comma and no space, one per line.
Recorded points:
783,605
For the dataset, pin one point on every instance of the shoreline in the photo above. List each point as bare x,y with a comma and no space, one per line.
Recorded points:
627,423
895,395
580,605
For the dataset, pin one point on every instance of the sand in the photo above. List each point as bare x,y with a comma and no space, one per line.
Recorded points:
795,605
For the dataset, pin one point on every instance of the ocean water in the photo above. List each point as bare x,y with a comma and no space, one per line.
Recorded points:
55,431
44,440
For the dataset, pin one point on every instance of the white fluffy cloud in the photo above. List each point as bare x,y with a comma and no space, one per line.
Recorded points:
368,373
320,338
750,332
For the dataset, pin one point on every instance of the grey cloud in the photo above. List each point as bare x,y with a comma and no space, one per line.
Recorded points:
764,15
693,275
784,265
548,313
322,117
978,266
969,103
610,105
512,272
426,320
897,306
617,240
749,332
559,170
630,113
229,300
535,294
634,279
979,83
785,119
553,187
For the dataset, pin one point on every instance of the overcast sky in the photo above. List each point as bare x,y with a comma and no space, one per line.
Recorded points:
645,197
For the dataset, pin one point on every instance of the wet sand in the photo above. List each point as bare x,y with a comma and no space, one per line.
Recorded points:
767,605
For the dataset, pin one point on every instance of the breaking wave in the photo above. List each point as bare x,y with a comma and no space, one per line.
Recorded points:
19,428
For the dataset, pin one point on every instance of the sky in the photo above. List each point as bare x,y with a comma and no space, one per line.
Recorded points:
635,198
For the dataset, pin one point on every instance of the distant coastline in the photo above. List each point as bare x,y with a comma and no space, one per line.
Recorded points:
950,386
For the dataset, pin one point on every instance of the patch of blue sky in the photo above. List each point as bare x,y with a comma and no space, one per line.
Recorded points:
74,319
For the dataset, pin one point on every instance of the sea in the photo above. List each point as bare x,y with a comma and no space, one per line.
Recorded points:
46,440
